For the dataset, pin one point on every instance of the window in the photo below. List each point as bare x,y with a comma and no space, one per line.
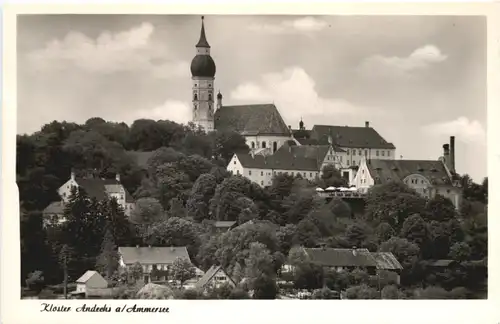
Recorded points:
250,172
383,153
348,162
210,96
376,153
311,174
195,85
291,173
209,85
388,153
195,107
261,173
237,171
253,145
360,153
275,146
353,152
347,152
234,162
263,144
262,183
121,197
195,97
366,152
353,162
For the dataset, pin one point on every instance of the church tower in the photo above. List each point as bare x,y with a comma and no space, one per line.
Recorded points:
203,76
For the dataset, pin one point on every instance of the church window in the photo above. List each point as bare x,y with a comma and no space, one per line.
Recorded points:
209,96
253,144
275,146
263,144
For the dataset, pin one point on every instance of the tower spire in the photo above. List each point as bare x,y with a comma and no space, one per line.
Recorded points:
203,38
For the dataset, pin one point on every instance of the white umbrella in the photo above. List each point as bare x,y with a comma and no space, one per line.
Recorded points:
331,188
319,189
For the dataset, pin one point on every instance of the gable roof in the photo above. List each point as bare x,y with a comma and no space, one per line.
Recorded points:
383,171
87,275
289,157
251,120
98,188
153,255
55,208
386,261
207,277
340,257
346,136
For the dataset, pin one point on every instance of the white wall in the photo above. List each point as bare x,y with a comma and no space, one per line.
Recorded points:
65,190
268,140
355,155
203,115
96,281
363,180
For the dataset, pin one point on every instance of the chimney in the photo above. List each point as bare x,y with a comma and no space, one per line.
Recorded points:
149,246
330,139
452,154
219,100
367,124
446,155
117,177
72,175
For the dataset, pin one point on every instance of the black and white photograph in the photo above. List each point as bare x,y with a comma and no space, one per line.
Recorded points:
212,156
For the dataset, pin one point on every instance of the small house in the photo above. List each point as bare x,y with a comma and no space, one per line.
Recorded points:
214,278
90,280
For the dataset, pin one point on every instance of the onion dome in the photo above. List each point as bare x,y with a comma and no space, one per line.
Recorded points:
203,65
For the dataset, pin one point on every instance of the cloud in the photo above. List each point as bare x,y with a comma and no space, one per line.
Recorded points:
294,91
174,110
130,50
469,131
419,59
306,24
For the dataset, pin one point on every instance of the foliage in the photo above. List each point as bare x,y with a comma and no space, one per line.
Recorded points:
362,292
460,251
107,261
173,232
392,292
325,293
147,211
182,270
264,287
35,280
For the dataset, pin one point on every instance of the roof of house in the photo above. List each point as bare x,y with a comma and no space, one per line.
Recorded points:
55,208
209,275
386,261
340,257
383,171
98,188
289,157
441,263
346,136
140,158
251,120
224,224
152,255
87,275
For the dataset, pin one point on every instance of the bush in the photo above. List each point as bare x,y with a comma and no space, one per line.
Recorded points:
35,281
362,292
392,292
238,293
47,294
325,293
459,293
191,294
431,293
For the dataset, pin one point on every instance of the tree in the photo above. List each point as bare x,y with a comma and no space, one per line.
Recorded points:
285,236
107,261
415,230
182,270
264,287
357,233
392,292
384,231
173,232
440,209
222,206
147,211
325,293
393,202
136,271
259,262
238,293
460,251
362,292
177,208
405,251
307,233
117,221
199,199
340,208
431,293
237,273
331,177
35,280
227,143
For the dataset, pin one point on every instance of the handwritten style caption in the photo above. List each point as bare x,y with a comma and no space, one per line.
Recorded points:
46,307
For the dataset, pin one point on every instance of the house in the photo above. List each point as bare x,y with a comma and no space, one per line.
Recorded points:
159,259
358,142
95,188
388,265
90,280
292,159
429,178
214,278
223,226
348,259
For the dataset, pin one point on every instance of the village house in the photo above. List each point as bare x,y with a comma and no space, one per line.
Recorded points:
428,178
89,281
348,260
94,187
152,259
214,278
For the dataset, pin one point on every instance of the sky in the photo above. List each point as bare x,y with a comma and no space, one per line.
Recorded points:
417,79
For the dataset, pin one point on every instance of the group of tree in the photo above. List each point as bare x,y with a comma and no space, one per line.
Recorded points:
185,187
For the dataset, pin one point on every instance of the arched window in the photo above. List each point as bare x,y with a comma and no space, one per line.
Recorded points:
275,146
263,144
210,96
253,145
195,96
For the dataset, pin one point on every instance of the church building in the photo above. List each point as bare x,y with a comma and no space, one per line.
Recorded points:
261,124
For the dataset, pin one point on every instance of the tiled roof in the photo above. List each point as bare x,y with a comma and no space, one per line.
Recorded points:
289,157
140,158
340,257
346,136
87,275
55,208
209,275
383,171
263,119
386,261
152,255
97,188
